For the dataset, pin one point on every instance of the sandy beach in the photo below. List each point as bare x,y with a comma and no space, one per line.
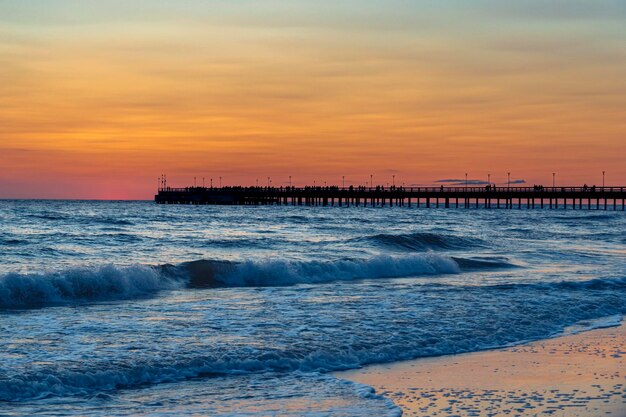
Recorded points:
580,375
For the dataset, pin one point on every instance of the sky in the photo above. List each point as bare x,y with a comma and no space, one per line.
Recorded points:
98,98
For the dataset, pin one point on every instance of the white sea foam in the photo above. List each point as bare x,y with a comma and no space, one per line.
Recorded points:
365,391
591,324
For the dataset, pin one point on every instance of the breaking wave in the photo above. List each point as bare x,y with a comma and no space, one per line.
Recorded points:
280,272
80,284
110,282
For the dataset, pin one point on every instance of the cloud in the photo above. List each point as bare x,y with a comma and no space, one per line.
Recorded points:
460,182
449,180
454,181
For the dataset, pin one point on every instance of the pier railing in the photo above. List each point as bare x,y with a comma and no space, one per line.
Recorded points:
472,189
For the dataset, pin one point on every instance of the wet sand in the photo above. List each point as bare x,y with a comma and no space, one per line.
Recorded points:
582,375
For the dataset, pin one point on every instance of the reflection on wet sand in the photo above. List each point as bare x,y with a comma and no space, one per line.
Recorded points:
573,376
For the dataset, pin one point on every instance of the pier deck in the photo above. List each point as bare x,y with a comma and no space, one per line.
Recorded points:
599,198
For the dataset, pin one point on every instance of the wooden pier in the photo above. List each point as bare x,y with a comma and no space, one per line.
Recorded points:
489,197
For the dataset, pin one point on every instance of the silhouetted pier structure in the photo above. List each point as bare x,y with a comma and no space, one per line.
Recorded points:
599,198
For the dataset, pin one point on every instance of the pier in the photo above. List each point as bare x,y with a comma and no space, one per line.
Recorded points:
488,197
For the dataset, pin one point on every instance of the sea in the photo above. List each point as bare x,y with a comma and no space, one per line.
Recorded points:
118,308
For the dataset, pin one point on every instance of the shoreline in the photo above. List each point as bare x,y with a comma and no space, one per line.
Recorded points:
578,375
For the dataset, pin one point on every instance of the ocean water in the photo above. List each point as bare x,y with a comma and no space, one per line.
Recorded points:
133,308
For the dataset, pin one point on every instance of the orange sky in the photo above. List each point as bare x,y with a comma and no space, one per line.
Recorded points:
98,99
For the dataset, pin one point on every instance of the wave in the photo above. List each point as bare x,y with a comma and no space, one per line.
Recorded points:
47,216
238,242
423,241
109,377
105,376
53,216
111,283
587,217
120,238
296,218
591,284
108,221
280,272
79,285
9,241
104,283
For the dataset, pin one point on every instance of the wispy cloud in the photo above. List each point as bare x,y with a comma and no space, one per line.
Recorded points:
455,181
461,182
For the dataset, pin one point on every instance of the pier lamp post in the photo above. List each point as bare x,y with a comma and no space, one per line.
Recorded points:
211,183
393,180
489,179
553,179
371,180
194,182
508,181
202,182
257,183
603,172
268,182
290,181
220,182
466,181
343,181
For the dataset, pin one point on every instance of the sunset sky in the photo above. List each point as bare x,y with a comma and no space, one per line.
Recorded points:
98,98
